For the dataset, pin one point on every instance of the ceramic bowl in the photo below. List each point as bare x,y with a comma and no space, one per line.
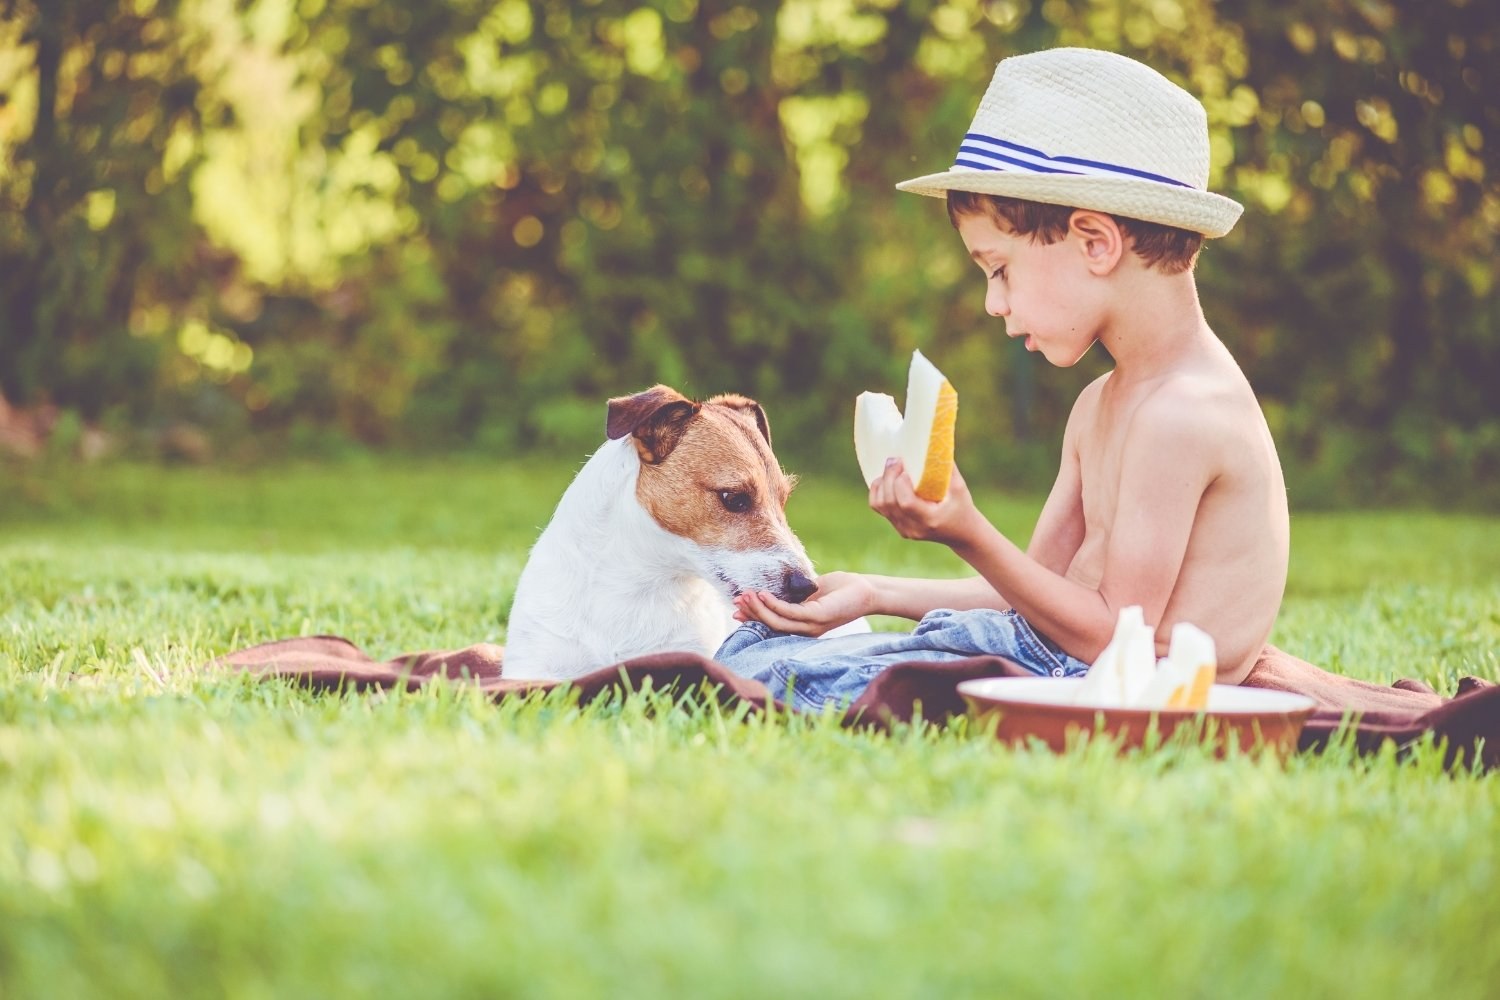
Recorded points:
1026,708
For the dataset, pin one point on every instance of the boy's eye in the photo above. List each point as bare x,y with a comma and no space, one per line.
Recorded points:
999,272
736,501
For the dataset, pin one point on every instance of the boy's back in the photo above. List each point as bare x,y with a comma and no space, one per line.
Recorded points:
1199,419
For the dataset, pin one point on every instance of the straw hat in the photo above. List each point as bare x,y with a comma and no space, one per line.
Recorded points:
1089,129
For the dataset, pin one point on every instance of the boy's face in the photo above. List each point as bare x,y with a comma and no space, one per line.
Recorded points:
1041,290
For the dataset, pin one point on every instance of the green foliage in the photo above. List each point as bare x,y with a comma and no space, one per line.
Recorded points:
95,206
468,223
1383,118
171,831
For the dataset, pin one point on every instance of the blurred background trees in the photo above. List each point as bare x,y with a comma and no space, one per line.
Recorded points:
299,224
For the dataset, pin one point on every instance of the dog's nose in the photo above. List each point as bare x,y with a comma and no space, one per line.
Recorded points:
798,587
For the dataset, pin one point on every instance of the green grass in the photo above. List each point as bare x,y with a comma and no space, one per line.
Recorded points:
165,831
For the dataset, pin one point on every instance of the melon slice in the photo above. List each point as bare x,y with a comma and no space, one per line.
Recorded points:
1126,668
1186,675
922,438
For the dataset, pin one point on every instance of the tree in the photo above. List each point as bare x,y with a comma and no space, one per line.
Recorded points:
1376,147
97,223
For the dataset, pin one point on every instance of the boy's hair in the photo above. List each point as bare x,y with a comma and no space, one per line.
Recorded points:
1167,248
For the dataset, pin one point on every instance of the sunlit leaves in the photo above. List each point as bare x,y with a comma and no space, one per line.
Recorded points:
822,129
700,190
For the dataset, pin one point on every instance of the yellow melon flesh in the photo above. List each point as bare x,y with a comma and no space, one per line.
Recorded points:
922,438
1193,696
1202,684
1192,665
1183,678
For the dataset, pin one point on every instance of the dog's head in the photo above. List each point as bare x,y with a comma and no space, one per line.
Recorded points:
708,476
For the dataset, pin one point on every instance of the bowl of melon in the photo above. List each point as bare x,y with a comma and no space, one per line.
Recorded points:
1132,698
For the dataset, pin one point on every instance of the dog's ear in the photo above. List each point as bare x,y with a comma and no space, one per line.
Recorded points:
737,402
657,418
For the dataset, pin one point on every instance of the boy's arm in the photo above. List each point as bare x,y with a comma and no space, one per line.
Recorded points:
843,597
908,597
1170,457
1054,542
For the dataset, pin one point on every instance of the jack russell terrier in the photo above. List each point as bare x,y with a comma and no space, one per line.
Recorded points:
679,511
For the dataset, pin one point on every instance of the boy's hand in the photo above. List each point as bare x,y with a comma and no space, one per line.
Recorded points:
840,598
953,521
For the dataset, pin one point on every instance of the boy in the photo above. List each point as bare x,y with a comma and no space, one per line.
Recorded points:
1080,192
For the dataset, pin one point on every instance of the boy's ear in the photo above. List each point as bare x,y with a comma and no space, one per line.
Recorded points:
1100,239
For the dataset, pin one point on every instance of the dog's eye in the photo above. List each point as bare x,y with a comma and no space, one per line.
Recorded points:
736,501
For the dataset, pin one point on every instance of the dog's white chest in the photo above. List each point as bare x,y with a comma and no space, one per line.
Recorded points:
605,583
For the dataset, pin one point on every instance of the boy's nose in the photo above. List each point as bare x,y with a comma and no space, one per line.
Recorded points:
995,302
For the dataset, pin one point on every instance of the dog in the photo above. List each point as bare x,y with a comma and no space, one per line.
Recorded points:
680,510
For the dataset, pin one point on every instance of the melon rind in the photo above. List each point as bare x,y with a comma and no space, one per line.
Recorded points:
937,465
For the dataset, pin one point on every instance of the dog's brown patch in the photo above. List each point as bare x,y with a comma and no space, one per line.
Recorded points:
721,459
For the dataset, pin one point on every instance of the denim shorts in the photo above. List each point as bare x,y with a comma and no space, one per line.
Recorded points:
811,674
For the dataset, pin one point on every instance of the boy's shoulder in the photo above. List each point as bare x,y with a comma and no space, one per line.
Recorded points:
1210,390
1088,399
1202,410
1170,393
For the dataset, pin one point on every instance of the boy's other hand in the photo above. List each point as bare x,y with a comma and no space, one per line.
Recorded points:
953,520
839,599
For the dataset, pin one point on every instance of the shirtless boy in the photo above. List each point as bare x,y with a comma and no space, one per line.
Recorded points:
1080,193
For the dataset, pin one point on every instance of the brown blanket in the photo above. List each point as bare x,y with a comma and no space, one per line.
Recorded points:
1469,722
